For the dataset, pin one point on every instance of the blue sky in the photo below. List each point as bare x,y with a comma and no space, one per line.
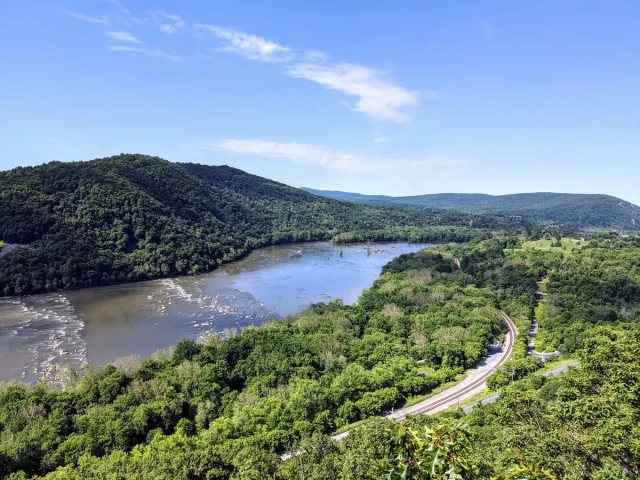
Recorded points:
394,98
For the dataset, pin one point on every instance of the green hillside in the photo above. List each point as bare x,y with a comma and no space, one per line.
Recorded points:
228,407
135,217
579,211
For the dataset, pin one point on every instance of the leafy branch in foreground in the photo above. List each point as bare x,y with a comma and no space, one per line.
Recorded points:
438,453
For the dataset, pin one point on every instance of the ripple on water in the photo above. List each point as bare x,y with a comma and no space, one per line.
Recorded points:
222,305
44,332
39,332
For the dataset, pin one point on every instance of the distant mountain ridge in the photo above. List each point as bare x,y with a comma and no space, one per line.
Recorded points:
134,217
584,211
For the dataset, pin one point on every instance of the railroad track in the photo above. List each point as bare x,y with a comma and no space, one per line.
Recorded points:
413,410
508,347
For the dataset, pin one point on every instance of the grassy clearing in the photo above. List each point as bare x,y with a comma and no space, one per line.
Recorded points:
542,285
568,245
425,370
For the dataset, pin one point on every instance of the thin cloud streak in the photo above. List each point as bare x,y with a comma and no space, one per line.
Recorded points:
248,45
118,3
167,28
85,18
170,24
124,37
315,56
148,53
351,162
378,96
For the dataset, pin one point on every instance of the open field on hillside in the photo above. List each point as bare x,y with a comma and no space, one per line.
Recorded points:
567,244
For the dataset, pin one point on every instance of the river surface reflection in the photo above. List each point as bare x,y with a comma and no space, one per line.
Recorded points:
97,325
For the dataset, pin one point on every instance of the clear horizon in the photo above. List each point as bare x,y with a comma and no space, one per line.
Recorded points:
368,98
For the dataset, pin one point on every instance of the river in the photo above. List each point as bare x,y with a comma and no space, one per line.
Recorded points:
97,325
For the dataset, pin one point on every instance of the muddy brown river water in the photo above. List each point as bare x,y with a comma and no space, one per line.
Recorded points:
97,325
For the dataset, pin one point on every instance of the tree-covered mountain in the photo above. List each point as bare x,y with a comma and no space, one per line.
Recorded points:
135,217
567,210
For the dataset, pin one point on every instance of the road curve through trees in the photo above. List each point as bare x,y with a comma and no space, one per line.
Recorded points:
553,373
474,384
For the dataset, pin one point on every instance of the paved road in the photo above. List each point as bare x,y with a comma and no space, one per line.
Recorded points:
484,401
561,369
472,385
7,249
532,336
555,372
10,247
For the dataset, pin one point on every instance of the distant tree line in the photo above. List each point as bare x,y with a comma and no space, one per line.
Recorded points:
560,211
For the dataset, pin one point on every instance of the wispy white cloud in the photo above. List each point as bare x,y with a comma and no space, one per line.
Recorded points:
166,22
125,48
167,28
488,30
156,18
85,18
378,95
173,18
170,23
248,45
124,37
117,3
380,139
329,158
147,52
315,56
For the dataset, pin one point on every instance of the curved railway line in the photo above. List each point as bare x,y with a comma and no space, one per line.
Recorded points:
456,392
432,404
427,406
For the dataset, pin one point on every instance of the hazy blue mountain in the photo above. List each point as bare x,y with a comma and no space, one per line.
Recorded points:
586,211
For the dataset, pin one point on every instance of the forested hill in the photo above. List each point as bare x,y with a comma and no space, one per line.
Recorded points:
135,217
227,407
580,211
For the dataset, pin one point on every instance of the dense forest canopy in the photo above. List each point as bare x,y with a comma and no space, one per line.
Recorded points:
267,387
135,217
564,210
227,407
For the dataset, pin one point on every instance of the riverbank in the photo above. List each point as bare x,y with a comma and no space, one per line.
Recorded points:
97,325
